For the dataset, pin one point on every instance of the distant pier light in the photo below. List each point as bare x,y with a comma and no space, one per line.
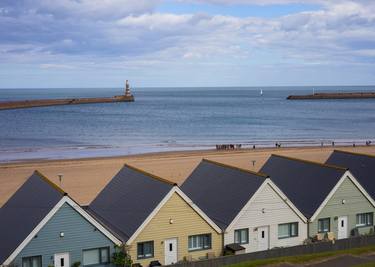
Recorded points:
127,88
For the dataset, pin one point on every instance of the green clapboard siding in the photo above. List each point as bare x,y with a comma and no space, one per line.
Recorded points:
355,202
79,234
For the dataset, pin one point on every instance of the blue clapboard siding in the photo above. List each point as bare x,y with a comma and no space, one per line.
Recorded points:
79,234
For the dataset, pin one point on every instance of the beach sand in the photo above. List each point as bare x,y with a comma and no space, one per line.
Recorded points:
84,178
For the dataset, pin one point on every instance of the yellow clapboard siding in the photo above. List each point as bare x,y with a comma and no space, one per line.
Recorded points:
186,222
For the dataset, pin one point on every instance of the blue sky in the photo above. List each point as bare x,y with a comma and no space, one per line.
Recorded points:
96,43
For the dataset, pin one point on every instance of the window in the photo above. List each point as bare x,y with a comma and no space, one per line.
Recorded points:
241,236
35,261
365,219
145,250
199,242
288,230
96,256
324,225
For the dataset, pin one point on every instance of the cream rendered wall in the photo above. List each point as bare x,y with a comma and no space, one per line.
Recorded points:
276,212
186,221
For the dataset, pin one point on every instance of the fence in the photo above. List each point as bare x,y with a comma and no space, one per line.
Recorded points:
348,243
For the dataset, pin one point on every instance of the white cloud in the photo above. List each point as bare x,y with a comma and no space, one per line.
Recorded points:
130,34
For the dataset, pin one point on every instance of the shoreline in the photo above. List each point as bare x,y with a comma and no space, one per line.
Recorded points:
37,154
174,153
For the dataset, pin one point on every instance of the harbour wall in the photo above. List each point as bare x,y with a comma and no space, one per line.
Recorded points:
66,101
356,95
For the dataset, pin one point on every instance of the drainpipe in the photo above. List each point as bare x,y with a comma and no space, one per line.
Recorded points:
308,228
222,241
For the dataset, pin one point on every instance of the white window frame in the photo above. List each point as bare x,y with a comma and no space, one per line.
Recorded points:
197,242
364,219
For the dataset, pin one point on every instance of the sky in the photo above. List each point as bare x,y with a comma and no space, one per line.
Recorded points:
189,43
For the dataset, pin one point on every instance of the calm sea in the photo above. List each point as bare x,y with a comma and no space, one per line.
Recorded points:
165,119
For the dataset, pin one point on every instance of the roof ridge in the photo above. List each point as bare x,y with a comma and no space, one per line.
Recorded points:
354,153
312,162
52,184
236,168
150,174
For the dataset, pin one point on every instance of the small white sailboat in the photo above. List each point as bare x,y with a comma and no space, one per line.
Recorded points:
261,92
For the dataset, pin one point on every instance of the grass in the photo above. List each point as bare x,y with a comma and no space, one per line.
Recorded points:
307,257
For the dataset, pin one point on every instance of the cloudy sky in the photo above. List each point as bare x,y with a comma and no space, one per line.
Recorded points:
95,43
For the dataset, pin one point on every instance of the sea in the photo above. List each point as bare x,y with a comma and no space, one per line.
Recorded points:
178,119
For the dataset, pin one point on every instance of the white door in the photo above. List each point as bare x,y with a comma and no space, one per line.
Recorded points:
170,251
263,238
62,260
342,227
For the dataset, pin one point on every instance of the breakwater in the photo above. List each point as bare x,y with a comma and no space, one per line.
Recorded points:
65,101
354,95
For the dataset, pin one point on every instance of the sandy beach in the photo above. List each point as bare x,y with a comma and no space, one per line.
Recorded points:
84,178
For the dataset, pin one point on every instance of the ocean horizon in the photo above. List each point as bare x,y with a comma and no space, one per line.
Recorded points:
176,119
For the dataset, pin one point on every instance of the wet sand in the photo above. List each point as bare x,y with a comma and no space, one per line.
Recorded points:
84,178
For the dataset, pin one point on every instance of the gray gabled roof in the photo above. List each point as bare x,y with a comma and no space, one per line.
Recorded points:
305,183
362,166
128,199
221,191
25,210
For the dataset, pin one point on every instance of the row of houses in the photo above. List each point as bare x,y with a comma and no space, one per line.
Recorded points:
218,208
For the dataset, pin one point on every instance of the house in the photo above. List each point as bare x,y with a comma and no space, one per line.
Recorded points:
361,165
155,220
250,209
329,196
42,226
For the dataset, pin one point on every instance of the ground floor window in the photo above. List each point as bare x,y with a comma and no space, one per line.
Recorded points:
324,225
288,230
35,261
199,242
365,219
96,256
241,236
145,250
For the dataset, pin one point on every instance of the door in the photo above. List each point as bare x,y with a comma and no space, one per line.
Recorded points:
263,238
342,228
62,260
170,251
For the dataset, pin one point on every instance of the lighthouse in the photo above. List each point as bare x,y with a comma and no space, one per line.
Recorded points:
127,89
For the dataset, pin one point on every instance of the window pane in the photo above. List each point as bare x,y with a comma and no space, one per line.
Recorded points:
207,241
370,218
148,248
283,230
294,229
91,257
35,261
26,262
104,253
237,236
